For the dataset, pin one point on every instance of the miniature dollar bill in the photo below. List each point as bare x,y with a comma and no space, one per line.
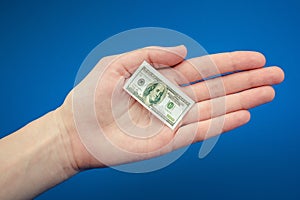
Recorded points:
156,93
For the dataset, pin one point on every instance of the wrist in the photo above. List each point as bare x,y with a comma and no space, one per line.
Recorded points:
79,157
64,146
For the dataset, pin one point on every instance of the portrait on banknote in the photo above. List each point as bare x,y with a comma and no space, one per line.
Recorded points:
154,93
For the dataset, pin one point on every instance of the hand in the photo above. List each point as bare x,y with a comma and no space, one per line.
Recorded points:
226,98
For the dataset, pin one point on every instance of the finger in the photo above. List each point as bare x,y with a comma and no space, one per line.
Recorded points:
200,131
239,101
157,56
234,83
206,66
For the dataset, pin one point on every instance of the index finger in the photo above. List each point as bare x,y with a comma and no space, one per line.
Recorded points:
199,68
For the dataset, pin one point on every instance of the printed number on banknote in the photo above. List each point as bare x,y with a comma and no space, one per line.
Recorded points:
156,93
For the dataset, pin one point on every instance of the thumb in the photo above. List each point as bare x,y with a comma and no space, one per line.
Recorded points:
158,56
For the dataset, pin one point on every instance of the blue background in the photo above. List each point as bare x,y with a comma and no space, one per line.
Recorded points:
42,45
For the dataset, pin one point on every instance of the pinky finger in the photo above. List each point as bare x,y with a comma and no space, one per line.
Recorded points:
199,131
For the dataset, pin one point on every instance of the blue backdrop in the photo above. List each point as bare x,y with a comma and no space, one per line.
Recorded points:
42,45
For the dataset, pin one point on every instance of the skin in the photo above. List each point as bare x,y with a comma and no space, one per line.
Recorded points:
49,150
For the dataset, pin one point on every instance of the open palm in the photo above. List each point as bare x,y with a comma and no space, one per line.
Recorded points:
124,131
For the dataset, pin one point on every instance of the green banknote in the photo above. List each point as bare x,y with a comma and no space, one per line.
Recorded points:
157,94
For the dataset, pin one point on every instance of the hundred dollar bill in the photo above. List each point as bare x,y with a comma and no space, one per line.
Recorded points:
156,93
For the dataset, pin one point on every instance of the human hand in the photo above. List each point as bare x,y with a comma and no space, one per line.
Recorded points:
116,130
